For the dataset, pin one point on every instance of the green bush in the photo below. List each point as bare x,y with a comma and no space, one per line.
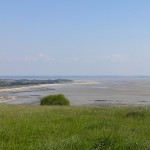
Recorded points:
59,99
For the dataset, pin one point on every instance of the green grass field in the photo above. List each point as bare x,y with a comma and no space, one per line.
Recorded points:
74,128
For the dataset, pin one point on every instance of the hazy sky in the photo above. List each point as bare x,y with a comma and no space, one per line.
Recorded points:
74,37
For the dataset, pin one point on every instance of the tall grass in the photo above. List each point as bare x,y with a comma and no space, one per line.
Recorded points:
74,128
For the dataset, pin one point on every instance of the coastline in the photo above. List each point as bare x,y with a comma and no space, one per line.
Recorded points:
10,89
112,92
6,97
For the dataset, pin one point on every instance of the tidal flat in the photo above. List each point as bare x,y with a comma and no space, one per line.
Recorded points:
85,92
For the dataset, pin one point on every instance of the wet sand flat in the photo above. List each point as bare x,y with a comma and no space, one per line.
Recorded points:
101,92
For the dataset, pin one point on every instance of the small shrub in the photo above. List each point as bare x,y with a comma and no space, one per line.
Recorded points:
59,99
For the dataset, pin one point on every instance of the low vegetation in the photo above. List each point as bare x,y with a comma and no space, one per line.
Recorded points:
59,99
74,128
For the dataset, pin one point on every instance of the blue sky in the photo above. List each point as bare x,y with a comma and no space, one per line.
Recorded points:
78,37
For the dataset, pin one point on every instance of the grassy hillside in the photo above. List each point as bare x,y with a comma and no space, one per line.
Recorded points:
74,128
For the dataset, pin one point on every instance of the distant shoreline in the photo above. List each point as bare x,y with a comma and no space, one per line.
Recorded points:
21,88
26,82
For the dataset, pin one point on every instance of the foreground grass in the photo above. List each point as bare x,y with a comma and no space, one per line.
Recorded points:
74,128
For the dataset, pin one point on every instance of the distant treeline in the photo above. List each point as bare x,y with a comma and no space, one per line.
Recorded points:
11,82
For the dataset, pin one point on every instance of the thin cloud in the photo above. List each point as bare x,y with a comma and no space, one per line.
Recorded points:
39,58
118,58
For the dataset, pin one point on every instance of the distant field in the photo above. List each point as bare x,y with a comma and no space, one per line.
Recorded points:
74,128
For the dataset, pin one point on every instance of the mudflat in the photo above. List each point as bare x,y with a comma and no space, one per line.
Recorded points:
98,92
